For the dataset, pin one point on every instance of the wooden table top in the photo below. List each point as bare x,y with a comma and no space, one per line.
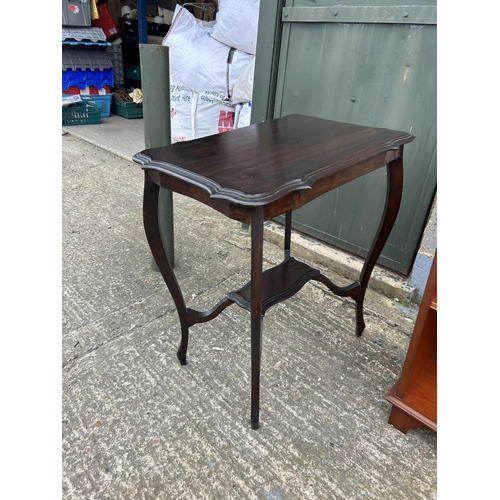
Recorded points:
266,161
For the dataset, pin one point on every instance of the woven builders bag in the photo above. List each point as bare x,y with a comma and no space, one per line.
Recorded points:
236,24
242,115
182,110
213,114
199,61
216,116
243,87
184,39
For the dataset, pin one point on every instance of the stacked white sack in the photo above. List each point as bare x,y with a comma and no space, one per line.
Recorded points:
198,114
199,61
208,94
237,23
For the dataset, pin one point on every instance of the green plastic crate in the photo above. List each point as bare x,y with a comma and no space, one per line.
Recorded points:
132,72
126,109
81,113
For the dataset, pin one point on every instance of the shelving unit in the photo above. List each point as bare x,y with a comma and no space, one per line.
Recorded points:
414,396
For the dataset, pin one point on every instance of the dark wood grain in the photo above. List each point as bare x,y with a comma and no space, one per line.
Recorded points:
257,173
279,283
256,313
262,163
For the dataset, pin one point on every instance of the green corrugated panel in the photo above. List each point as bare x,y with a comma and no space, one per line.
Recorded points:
378,74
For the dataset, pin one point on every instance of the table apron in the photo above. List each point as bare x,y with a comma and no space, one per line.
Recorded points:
276,204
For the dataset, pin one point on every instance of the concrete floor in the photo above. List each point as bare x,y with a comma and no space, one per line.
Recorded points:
137,425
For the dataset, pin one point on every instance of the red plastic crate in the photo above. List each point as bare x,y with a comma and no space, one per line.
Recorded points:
88,90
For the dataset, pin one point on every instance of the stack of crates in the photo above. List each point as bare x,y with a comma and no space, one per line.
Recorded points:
116,56
130,44
87,68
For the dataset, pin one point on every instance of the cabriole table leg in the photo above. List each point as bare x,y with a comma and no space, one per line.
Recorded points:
392,203
153,235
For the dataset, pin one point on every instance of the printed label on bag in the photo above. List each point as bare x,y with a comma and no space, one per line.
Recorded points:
180,98
213,97
226,121
183,102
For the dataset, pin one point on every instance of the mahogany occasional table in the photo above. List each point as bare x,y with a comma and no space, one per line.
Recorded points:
257,173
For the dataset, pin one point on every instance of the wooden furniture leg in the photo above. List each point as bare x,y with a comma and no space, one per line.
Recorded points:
392,203
256,310
153,235
357,290
404,421
288,234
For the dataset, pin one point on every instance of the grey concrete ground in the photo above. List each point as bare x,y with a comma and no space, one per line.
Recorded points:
137,425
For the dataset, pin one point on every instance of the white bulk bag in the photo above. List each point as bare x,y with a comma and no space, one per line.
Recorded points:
213,115
236,24
243,87
243,112
199,61
182,110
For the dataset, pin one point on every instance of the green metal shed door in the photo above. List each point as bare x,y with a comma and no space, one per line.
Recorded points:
371,65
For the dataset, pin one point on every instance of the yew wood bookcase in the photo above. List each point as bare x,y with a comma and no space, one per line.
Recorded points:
257,173
414,396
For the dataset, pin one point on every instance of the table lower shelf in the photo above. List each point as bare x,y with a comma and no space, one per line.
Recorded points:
278,283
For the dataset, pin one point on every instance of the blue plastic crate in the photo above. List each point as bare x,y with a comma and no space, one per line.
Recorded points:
71,43
81,78
101,100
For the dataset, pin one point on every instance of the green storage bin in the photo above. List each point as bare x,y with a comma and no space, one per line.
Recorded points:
126,109
81,113
132,72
